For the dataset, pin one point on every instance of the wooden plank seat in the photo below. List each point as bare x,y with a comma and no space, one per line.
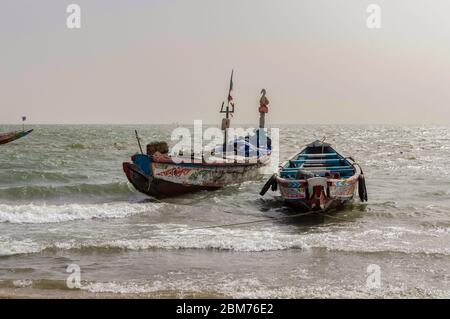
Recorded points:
328,168
317,161
317,155
320,169
292,175
344,171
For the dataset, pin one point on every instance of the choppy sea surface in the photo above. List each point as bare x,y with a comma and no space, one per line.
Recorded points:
65,200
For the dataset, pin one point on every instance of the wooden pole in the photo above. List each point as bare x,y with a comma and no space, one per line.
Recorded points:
262,118
226,120
139,141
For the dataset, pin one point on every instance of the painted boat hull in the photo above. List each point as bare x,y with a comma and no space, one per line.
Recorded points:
9,137
172,179
157,187
338,193
317,178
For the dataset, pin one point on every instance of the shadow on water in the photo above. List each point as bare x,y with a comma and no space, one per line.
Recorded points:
191,198
183,199
273,209
286,215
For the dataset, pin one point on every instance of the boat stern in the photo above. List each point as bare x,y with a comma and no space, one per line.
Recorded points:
317,193
138,172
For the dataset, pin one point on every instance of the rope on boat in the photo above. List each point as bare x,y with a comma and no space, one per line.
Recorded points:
262,220
252,222
269,219
331,216
255,221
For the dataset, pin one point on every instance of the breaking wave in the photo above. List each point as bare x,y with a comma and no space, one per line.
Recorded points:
40,214
221,286
170,237
11,177
36,192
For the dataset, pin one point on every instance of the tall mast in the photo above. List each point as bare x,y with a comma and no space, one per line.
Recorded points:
227,111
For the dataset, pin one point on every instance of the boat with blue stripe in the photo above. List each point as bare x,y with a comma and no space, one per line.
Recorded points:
318,178
12,136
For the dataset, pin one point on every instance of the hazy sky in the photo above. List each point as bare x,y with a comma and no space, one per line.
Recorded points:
155,61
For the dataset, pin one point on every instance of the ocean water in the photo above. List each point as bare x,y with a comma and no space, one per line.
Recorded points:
65,200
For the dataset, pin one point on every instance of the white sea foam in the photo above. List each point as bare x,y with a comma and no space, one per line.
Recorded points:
38,214
236,240
10,247
22,283
224,285
170,237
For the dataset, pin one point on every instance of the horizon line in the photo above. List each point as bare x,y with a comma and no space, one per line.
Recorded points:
215,124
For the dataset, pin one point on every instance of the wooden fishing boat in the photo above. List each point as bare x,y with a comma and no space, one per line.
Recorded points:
159,174
12,136
318,178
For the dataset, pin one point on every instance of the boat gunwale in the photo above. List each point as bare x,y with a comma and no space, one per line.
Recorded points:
348,179
282,180
260,161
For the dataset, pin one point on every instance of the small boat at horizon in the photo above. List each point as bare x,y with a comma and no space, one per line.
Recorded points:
318,179
12,136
